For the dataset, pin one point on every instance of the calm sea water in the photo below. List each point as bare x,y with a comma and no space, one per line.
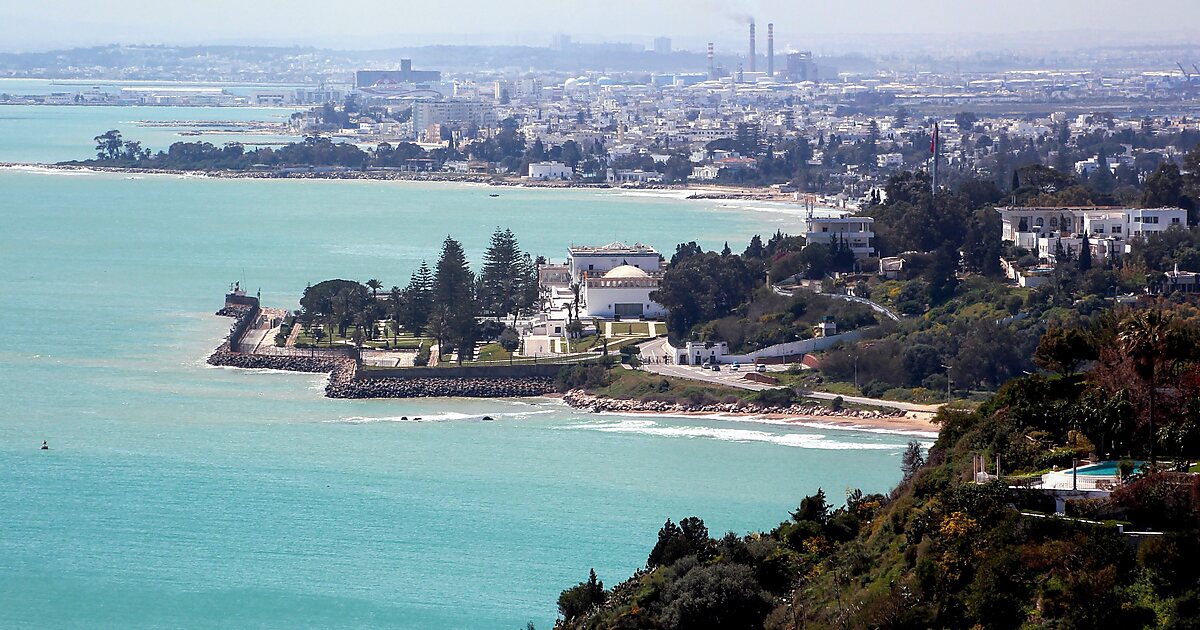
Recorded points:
178,495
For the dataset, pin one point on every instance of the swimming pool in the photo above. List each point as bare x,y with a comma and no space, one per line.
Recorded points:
1104,469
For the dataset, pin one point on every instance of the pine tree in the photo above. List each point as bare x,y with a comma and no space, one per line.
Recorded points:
454,305
755,249
501,279
529,291
1085,254
417,301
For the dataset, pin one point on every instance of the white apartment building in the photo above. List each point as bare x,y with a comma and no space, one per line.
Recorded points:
856,231
456,113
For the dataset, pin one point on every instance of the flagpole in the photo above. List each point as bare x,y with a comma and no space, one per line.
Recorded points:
934,148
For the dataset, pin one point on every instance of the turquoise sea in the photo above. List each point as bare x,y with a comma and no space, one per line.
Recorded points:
179,495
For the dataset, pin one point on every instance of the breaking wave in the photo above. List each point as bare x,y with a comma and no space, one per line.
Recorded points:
795,440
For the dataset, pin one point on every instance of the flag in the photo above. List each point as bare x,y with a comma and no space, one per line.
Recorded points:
933,143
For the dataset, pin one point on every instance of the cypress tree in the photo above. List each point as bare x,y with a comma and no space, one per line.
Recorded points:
1085,254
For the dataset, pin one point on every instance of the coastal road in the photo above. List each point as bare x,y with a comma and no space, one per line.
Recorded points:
729,378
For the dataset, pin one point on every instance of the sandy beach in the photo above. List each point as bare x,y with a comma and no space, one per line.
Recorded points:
704,192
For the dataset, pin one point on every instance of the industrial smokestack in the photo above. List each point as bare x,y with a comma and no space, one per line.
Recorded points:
712,71
770,49
751,46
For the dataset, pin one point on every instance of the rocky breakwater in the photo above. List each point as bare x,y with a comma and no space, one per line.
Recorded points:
581,399
347,381
341,369
440,387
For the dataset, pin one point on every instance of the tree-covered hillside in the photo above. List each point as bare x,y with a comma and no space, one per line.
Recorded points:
943,551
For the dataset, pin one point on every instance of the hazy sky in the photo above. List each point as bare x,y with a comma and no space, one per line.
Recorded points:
47,24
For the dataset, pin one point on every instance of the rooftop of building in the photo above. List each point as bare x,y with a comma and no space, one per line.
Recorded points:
616,247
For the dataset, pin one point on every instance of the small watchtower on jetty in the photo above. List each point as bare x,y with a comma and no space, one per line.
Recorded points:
237,296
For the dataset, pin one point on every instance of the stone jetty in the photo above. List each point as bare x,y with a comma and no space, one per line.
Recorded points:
347,381
442,387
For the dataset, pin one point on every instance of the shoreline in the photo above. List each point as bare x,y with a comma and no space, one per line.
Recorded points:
799,415
890,426
343,381
708,192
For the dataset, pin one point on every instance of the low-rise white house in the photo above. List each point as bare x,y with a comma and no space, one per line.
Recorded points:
699,352
543,171
890,160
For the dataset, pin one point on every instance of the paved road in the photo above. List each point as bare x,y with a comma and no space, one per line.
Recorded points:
876,402
735,379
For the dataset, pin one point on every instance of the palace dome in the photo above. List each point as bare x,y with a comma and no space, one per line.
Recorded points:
626,271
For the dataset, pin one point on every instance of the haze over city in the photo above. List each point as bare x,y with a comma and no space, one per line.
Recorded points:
67,23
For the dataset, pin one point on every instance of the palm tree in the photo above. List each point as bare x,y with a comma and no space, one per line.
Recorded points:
576,291
374,285
1149,339
394,305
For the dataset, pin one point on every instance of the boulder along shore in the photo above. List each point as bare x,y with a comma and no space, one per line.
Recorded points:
581,399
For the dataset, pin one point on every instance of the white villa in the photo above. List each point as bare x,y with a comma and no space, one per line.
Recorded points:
856,231
1042,229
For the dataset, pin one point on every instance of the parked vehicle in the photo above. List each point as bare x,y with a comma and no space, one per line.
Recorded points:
760,367
737,367
716,367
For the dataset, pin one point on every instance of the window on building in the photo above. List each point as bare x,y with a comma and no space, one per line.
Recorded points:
1174,219
1116,229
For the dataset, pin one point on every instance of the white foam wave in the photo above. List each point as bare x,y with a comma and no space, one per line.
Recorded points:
48,170
658,194
795,440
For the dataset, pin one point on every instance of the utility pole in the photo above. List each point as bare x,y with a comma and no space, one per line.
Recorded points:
947,381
